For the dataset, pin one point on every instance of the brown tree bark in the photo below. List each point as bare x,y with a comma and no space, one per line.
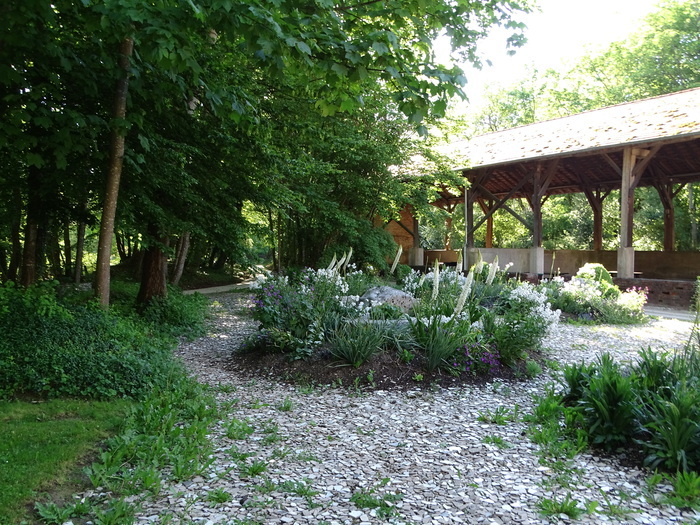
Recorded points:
154,270
79,247
116,161
183,247
67,250
15,230
54,254
30,252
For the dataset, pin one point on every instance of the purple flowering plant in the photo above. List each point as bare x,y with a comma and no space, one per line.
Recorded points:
477,359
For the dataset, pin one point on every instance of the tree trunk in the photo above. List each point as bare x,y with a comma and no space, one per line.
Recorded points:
273,241
31,234
183,246
54,254
67,250
15,230
153,270
121,250
30,253
79,247
116,160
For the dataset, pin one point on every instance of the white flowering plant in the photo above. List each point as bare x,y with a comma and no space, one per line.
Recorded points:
519,322
301,312
591,295
294,311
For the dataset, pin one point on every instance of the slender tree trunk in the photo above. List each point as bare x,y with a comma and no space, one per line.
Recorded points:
15,230
54,254
183,246
67,249
30,253
116,160
153,270
79,247
121,250
273,241
31,234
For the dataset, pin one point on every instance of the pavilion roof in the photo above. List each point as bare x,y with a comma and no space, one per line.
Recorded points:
662,118
587,147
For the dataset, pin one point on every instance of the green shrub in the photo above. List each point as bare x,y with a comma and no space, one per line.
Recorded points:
672,429
177,314
597,273
609,404
402,271
355,343
50,349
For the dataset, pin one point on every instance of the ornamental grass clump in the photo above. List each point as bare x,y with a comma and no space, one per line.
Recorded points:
439,338
355,343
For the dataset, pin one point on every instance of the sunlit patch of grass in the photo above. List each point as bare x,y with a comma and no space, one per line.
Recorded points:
41,444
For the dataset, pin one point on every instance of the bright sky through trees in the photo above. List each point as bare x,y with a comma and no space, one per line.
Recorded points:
562,31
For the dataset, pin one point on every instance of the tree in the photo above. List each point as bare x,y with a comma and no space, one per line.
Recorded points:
338,46
63,64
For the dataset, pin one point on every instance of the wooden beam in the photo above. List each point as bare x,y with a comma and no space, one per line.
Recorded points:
627,198
488,241
500,203
612,163
412,234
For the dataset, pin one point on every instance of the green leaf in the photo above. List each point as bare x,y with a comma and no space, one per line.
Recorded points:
380,48
34,159
303,47
339,69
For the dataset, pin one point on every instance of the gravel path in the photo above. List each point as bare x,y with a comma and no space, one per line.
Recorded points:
329,455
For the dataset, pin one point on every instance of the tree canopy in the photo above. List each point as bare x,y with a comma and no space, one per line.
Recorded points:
218,113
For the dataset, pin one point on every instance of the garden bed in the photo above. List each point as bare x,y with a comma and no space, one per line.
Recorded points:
381,372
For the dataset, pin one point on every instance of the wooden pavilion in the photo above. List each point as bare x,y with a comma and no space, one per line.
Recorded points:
652,142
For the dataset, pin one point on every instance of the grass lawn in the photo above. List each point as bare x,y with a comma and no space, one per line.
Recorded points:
42,445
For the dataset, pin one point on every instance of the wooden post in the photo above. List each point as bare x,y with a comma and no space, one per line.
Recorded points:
469,216
489,223
666,195
538,189
627,198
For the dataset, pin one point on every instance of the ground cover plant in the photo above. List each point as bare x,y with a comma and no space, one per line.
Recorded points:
39,444
650,409
444,325
72,374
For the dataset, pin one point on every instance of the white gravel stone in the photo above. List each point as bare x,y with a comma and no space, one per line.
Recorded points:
425,446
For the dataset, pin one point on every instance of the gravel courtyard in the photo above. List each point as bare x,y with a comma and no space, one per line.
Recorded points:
328,454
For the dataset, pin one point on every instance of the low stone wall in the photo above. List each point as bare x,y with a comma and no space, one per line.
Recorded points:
670,293
651,265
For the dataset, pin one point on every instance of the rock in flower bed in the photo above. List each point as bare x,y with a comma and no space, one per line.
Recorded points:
451,324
